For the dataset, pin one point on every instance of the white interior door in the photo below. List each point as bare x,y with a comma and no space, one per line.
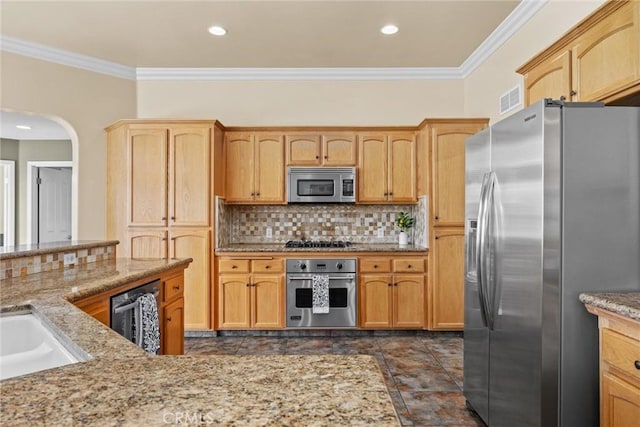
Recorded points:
54,204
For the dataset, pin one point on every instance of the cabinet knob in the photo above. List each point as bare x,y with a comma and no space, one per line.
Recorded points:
253,194
389,284
573,92
248,285
164,218
257,194
173,218
637,364
326,157
409,266
169,319
163,239
176,288
436,217
375,265
386,194
233,267
391,194
266,267
436,237
317,157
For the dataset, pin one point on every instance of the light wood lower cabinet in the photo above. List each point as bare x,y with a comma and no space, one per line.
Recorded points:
619,369
447,284
170,308
250,301
393,300
254,299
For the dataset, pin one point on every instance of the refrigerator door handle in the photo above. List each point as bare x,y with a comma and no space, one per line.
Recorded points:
480,247
495,280
488,285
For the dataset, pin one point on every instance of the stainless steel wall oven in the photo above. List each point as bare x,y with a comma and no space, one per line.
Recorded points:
342,287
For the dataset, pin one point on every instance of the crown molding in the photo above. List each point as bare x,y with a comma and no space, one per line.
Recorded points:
507,28
512,23
342,73
65,57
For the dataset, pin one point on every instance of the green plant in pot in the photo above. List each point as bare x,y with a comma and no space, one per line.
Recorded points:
404,223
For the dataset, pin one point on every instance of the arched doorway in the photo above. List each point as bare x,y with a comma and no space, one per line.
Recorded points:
44,151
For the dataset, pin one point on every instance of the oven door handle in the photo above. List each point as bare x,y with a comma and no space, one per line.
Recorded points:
348,277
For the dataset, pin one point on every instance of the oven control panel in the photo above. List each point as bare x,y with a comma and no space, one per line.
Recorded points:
320,266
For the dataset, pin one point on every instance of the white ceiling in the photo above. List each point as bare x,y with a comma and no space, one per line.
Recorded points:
268,33
41,127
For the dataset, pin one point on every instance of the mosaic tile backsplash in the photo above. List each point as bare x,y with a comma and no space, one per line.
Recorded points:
26,265
240,224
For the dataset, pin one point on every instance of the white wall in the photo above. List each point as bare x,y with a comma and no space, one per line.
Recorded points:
497,75
274,103
87,102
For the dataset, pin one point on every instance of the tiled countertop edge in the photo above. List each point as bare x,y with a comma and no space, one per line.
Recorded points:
53,248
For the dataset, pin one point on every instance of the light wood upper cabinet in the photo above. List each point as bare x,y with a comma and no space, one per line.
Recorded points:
339,149
597,60
402,168
447,168
147,171
447,284
269,168
189,172
372,168
240,167
196,244
303,150
255,168
550,80
607,56
387,168
326,149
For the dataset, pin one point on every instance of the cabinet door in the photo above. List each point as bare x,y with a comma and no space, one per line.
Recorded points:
146,244
620,403
408,301
194,244
173,328
373,170
375,306
339,149
239,166
147,176
447,298
607,56
234,301
303,150
551,79
189,176
98,308
267,301
269,168
447,150
402,168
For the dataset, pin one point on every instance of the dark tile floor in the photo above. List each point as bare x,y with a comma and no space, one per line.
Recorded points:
423,373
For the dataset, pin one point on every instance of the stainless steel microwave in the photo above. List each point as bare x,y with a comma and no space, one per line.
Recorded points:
321,185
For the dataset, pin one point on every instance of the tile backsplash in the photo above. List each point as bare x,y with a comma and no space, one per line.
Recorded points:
242,224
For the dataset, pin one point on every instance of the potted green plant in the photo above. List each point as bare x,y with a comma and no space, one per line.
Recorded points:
404,223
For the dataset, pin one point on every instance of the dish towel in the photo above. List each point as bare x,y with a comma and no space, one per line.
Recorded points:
147,324
320,293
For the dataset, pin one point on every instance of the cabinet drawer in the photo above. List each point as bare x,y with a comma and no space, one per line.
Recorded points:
233,266
267,266
408,265
621,352
172,288
375,265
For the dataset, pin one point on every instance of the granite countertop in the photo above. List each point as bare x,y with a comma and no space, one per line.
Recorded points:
9,252
123,385
355,247
626,304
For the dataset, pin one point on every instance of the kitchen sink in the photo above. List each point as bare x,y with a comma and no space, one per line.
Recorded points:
27,345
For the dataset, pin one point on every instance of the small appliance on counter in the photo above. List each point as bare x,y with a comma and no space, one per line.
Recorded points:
321,185
340,293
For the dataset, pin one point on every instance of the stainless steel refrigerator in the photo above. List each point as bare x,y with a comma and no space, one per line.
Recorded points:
552,210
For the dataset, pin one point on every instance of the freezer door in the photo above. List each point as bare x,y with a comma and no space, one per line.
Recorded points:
476,334
515,247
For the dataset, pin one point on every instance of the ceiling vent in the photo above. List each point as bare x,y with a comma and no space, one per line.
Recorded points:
510,100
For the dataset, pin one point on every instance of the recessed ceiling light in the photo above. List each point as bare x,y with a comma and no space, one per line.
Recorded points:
389,29
24,127
217,30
